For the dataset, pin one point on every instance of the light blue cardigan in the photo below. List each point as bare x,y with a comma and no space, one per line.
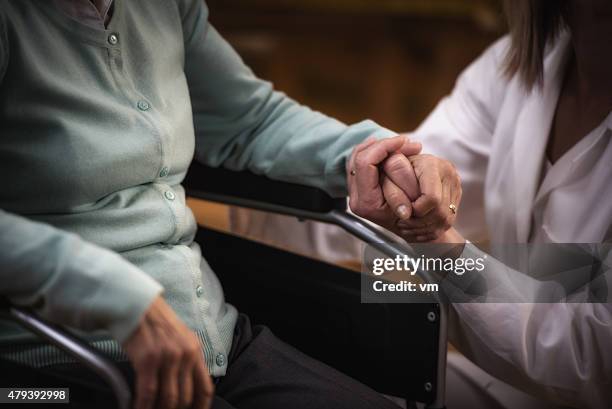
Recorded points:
96,136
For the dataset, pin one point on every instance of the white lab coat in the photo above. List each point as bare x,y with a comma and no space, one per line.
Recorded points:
496,134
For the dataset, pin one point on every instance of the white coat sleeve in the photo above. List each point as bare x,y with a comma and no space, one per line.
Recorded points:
557,351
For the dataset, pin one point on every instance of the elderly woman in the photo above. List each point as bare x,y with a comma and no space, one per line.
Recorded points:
528,127
102,105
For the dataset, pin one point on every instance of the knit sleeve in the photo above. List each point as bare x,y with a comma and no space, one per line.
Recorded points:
242,122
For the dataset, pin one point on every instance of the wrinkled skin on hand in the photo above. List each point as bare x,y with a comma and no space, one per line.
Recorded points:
169,362
408,193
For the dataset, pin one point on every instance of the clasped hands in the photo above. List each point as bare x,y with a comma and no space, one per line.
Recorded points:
414,195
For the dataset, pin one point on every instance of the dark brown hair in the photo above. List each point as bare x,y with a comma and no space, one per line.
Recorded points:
533,24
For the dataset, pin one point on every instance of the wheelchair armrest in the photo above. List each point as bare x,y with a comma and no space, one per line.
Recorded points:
258,192
246,189
255,191
73,346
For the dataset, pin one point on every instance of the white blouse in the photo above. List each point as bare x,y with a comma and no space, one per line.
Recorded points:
573,173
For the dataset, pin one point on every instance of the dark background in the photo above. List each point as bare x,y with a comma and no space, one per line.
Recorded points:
389,60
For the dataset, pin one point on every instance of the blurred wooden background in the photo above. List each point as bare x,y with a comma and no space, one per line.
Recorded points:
389,60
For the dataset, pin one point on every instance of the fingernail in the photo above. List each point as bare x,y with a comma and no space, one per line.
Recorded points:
402,212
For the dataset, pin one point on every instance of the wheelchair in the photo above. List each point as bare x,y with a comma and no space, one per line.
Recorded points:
397,349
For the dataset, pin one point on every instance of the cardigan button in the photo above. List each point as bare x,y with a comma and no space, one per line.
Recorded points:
113,39
169,194
143,105
220,359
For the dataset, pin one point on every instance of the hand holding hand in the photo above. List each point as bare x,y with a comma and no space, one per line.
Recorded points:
169,364
383,200
440,194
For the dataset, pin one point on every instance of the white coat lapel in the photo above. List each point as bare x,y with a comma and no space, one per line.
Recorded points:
577,162
532,131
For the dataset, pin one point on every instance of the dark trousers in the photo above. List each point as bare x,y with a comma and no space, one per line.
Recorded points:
266,373
263,373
